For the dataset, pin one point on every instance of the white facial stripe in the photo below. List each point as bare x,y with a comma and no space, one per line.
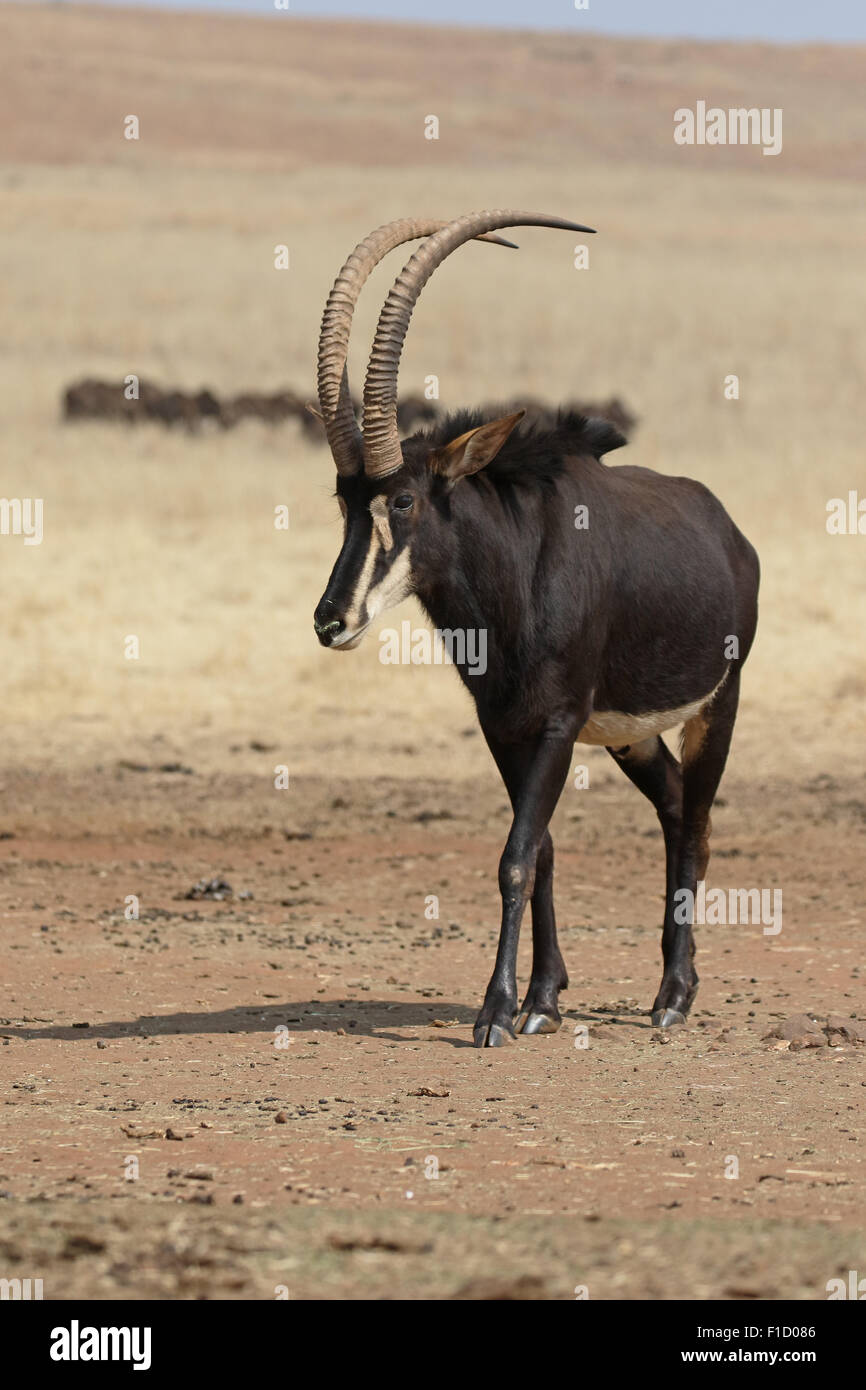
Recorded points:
396,586
391,590
353,615
379,513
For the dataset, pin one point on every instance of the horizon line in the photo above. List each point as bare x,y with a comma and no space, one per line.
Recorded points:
238,9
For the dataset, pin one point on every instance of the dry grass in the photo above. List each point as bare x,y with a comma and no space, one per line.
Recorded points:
156,258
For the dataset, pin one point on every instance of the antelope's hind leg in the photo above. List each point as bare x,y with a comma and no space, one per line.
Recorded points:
654,770
706,741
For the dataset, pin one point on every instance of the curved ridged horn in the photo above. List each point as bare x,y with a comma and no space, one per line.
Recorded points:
335,399
382,454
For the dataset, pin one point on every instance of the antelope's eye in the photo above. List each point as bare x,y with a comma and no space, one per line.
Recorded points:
403,503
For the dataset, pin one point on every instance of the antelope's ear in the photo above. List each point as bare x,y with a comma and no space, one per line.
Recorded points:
473,450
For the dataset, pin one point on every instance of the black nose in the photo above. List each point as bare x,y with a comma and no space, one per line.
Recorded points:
326,624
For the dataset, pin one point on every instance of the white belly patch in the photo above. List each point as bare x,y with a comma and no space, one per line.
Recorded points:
611,729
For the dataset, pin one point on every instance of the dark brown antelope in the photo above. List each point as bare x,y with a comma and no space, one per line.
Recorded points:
617,603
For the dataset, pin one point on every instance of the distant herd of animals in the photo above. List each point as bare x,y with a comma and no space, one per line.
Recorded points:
91,399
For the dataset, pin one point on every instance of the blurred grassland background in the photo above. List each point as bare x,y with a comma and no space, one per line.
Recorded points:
156,257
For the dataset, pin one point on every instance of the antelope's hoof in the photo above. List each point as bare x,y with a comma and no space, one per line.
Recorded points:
667,1018
537,1023
492,1035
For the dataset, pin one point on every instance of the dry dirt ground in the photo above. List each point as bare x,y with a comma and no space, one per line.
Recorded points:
229,1098
275,1090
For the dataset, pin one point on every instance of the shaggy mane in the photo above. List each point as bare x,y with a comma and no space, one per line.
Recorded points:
533,452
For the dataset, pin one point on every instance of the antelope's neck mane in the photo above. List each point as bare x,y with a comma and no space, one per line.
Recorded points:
507,563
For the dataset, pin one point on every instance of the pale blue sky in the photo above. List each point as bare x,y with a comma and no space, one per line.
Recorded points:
781,20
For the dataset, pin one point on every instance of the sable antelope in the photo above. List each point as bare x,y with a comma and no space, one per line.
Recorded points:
609,634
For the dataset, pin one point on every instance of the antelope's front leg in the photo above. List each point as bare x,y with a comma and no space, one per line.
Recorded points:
537,774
